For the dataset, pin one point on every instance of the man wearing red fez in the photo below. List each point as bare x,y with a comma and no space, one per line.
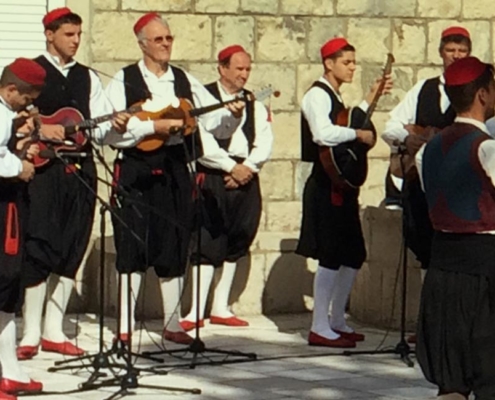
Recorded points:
159,181
20,84
331,231
231,180
61,207
425,105
456,324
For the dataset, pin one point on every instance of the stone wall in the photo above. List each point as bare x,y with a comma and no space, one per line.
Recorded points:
284,37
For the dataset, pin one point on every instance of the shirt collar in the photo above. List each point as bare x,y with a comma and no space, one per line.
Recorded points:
167,76
478,124
7,105
226,95
55,60
322,79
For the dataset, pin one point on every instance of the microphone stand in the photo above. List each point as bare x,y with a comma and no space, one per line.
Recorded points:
101,360
198,347
402,348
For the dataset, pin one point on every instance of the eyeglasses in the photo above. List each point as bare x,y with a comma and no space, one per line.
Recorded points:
161,39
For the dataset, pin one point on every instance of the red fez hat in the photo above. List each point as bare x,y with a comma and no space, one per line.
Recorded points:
332,47
464,71
228,51
456,30
144,20
28,71
55,14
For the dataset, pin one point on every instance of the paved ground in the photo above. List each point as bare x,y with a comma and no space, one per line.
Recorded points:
286,367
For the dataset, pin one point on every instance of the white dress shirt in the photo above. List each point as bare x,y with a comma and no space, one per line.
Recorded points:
10,164
220,123
316,107
405,112
99,105
218,158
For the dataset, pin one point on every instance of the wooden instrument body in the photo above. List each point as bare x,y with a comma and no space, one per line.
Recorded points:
347,163
69,118
157,140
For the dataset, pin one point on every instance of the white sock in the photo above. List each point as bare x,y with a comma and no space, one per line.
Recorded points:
206,277
343,287
34,300
135,279
56,306
323,287
171,292
220,307
11,369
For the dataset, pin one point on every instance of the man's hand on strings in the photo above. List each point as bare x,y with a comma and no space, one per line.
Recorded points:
236,108
56,132
388,84
120,120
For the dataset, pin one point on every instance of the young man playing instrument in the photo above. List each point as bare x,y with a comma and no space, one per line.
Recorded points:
20,83
158,204
61,207
231,192
425,105
456,324
331,228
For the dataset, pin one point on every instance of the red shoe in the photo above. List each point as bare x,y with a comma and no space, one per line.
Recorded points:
26,352
230,321
65,348
317,340
177,337
352,336
411,339
5,396
14,387
190,325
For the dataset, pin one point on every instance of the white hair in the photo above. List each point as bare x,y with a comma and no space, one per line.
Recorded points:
140,34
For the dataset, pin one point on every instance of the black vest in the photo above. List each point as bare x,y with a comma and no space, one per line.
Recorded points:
248,128
59,91
428,111
309,149
137,90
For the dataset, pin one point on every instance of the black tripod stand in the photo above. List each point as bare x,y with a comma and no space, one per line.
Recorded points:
402,348
102,359
198,347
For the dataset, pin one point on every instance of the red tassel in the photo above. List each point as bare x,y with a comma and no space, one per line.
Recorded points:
269,110
200,180
12,231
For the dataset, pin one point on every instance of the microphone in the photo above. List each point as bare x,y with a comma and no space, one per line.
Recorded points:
58,142
52,154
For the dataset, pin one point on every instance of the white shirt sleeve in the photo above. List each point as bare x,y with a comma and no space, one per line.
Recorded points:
99,105
486,155
490,125
221,123
213,155
263,140
404,113
136,129
10,164
316,106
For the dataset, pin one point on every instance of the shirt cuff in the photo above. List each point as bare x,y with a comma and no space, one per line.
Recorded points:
251,165
364,106
139,128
